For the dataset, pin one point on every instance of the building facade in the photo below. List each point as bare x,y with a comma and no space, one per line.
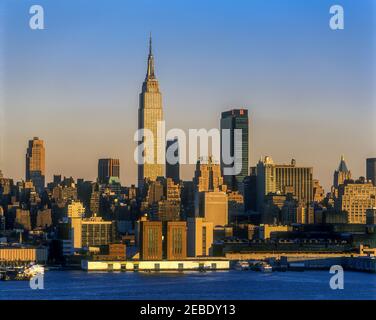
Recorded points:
354,198
108,168
35,163
236,119
341,174
208,176
75,209
149,114
91,232
200,237
172,169
213,207
150,240
284,179
371,170
176,240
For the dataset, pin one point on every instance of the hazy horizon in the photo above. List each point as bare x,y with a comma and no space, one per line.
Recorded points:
309,90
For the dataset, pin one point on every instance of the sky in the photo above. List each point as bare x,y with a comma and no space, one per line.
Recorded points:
310,90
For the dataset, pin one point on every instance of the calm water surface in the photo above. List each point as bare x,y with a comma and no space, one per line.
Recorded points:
186,286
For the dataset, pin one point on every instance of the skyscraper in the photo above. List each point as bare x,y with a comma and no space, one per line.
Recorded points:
208,176
236,119
371,170
341,174
108,168
150,112
354,198
151,240
35,163
176,240
199,237
283,179
211,200
172,169
213,206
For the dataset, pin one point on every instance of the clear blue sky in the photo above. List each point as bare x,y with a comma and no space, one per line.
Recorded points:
310,91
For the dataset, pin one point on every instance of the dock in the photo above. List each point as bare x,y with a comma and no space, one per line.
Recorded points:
162,265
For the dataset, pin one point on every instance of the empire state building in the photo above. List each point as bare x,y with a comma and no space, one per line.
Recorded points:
149,113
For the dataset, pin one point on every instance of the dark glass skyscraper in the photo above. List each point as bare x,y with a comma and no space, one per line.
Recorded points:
172,169
108,168
232,120
371,170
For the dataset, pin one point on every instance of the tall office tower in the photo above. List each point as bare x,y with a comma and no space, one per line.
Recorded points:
95,199
213,206
75,209
354,198
169,208
188,199
35,163
155,191
200,237
211,200
172,169
150,240
44,218
318,191
23,219
150,112
371,170
91,232
250,191
2,219
5,185
235,205
265,180
341,174
208,176
236,119
284,179
176,240
108,168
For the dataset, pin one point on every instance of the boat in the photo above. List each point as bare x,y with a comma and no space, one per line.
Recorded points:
242,265
33,270
265,267
203,268
21,273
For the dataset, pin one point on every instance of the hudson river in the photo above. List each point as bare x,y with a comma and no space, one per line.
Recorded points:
186,286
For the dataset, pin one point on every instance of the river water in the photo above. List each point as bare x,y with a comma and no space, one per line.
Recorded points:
193,285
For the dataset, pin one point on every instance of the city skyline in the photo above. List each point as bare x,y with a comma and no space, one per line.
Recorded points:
170,150
317,137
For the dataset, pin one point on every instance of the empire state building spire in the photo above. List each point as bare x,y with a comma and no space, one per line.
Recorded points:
150,112
150,72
